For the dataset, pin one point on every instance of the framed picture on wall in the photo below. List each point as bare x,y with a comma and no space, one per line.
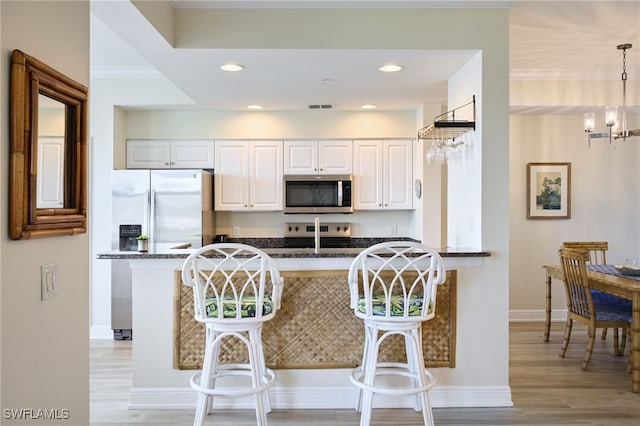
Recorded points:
548,190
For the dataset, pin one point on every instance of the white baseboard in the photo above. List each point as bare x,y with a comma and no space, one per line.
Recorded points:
100,332
523,315
321,398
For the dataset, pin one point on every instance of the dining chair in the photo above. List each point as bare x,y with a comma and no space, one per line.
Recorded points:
596,255
393,290
236,288
582,306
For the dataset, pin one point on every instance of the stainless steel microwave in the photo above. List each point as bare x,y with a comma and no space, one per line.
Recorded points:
318,193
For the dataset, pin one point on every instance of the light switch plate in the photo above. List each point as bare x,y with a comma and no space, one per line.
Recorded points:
49,281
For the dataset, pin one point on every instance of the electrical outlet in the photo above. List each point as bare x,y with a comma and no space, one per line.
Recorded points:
236,230
394,229
50,286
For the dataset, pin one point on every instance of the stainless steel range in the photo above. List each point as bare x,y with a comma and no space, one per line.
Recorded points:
332,234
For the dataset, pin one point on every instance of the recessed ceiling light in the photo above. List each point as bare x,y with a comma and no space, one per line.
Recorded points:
390,68
255,107
231,67
368,106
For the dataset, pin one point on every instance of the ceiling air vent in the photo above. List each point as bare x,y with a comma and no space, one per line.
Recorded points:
321,106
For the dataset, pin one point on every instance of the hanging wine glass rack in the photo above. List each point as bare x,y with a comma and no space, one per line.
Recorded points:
446,127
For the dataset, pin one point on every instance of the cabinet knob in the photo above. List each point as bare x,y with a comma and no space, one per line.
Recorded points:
166,164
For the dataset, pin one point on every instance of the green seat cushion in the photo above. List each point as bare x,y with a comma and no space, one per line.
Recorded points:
247,306
378,305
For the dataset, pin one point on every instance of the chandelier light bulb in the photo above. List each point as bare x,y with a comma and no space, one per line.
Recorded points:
589,121
611,115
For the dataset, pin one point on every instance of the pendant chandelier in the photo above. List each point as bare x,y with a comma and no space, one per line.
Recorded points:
447,133
617,127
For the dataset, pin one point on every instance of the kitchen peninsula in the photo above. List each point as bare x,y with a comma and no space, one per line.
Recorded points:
313,342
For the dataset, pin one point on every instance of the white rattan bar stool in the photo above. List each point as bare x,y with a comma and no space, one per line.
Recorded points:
393,289
236,288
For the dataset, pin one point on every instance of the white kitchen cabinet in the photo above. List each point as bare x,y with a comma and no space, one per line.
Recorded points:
311,157
170,154
248,175
383,175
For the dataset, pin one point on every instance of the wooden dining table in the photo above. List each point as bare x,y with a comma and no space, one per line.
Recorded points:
605,278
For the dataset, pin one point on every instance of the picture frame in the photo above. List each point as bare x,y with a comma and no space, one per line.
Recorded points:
548,190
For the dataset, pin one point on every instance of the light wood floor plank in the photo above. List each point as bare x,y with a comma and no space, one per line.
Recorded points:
546,390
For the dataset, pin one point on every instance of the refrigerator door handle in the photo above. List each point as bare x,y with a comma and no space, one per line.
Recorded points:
152,216
145,217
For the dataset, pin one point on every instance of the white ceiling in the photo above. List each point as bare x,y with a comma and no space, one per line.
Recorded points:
548,39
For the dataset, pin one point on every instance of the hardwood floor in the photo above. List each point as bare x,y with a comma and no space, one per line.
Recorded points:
546,390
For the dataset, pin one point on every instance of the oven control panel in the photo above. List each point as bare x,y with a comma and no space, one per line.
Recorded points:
308,229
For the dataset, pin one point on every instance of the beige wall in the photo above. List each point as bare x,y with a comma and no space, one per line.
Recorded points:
44,344
605,203
269,124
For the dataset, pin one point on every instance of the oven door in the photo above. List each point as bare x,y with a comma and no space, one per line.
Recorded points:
317,194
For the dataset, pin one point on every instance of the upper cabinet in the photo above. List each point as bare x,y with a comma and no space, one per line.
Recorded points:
383,175
170,154
311,157
248,175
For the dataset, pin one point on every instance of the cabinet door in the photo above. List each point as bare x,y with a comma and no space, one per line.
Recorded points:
231,175
192,154
148,154
397,174
300,157
335,157
50,179
265,175
367,175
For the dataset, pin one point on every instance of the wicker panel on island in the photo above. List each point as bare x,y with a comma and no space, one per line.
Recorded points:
315,328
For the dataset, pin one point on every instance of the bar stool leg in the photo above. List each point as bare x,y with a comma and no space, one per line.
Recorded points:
418,368
370,364
215,358
411,368
257,375
368,338
209,365
263,367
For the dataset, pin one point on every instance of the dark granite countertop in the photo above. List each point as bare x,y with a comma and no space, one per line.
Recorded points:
274,247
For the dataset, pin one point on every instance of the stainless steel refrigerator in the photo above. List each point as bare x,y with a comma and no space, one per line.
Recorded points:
172,207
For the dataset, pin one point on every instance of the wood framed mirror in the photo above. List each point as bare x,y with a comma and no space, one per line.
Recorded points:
48,158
